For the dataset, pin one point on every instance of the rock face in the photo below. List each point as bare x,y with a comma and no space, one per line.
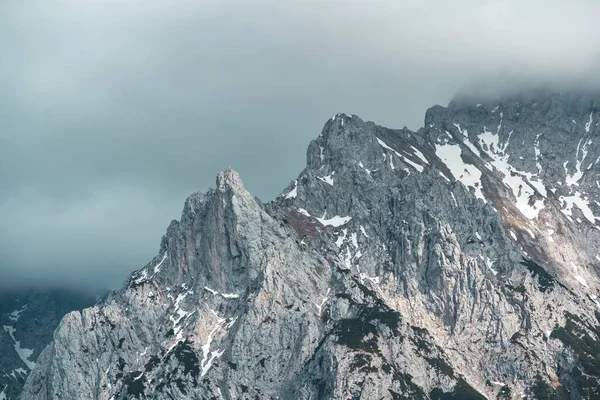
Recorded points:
28,317
460,261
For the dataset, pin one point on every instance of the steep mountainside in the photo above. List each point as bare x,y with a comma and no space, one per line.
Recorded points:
28,318
459,261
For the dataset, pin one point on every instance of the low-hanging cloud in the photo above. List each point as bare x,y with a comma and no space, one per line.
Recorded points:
111,112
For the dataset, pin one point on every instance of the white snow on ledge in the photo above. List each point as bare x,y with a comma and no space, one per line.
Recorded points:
293,193
327,179
157,267
303,212
224,295
334,221
404,159
519,182
467,174
141,275
209,356
576,199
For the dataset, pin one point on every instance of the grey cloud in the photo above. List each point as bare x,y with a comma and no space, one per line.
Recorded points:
111,112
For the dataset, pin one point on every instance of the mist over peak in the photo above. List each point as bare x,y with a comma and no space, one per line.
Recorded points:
112,112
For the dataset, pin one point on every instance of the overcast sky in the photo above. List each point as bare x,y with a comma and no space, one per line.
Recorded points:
113,111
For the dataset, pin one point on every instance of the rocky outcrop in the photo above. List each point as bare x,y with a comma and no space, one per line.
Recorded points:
452,262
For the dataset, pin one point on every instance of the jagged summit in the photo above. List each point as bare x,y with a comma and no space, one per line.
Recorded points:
458,261
229,179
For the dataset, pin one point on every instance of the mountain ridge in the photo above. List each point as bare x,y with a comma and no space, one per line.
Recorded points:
398,264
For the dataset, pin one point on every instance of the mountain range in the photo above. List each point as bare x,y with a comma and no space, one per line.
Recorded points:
460,261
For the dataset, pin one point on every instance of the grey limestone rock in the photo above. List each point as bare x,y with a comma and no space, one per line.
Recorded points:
458,261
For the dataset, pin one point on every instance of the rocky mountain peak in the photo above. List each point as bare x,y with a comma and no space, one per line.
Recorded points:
343,138
457,261
229,180
212,243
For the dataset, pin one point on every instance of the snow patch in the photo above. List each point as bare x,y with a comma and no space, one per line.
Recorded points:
460,130
581,203
23,353
465,173
589,123
320,306
341,238
574,179
211,290
538,154
420,155
362,229
580,279
375,280
348,259
489,264
294,192
303,212
209,356
224,295
230,295
360,164
14,316
327,179
141,276
404,159
454,199
333,221
518,182
231,322
157,267
354,240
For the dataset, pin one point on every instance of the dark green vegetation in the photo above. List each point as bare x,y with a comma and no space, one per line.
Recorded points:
187,358
504,394
188,365
134,383
545,280
362,362
357,334
411,390
360,333
581,336
462,391
425,350
542,391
